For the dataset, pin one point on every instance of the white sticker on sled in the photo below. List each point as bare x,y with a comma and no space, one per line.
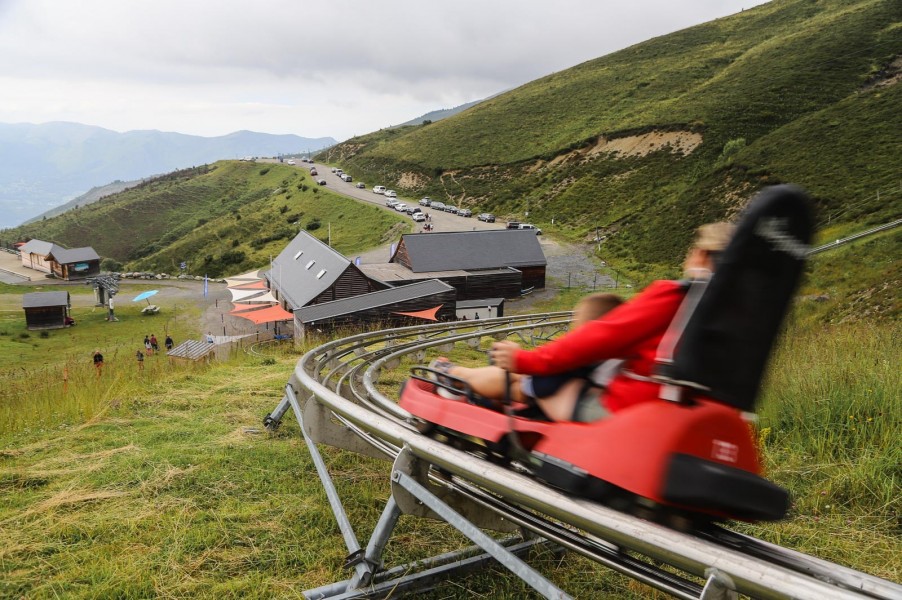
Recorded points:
724,451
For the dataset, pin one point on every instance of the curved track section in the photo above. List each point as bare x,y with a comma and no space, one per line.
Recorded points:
336,388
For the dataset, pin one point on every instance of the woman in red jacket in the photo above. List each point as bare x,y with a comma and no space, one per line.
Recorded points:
631,331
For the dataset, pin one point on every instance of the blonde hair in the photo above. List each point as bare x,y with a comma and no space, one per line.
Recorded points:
713,237
594,306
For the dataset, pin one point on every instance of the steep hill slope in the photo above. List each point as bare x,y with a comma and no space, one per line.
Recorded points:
220,219
639,146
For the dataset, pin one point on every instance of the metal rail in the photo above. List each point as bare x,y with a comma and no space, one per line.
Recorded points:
344,407
852,238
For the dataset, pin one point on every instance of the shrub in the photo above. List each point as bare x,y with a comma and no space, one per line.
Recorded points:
109,264
45,334
264,171
313,225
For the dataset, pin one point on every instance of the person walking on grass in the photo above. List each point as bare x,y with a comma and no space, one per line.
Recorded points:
148,349
153,343
140,356
98,362
169,343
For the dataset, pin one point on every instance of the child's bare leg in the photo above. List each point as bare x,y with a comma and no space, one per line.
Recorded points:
560,405
488,381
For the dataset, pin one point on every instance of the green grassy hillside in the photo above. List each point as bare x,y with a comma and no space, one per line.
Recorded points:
220,219
646,143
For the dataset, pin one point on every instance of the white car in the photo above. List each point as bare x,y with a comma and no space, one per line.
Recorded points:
291,162
391,193
378,189
401,207
418,217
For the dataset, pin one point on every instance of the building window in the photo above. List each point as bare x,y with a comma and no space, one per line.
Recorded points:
310,264
298,255
320,274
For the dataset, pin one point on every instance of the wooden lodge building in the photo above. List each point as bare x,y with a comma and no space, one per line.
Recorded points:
65,263
309,272
428,275
478,264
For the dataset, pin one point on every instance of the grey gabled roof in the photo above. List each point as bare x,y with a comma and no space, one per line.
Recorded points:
39,247
45,299
297,283
73,255
472,250
348,306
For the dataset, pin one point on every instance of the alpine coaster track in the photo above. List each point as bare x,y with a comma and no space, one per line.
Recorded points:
334,397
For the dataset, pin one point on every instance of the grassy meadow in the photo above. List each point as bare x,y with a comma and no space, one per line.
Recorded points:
162,483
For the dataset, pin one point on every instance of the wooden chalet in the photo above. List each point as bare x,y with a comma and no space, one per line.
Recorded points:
478,264
46,310
74,263
309,272
65,263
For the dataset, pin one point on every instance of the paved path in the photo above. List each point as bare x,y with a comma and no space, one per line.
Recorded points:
13,271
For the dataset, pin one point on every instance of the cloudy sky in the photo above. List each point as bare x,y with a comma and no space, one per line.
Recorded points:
335,68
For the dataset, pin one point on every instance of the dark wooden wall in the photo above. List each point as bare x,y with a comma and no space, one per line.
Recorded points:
386,314
349,284
45,317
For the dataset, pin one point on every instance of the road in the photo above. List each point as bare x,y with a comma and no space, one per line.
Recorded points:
441,221
568,264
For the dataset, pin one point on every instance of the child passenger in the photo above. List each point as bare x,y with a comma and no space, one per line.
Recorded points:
557,396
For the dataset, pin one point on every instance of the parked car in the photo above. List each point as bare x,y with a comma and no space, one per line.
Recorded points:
413,209
418,216
378,189
391,202
361,185
451,209
425,201
291,162
513,225
401,207
321,182
438,206
487,217
347,178
391,193
334,169
313,172
530,226
465,212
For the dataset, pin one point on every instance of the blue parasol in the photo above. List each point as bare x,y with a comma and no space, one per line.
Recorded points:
144,296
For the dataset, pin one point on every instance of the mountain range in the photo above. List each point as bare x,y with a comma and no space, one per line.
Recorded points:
45,165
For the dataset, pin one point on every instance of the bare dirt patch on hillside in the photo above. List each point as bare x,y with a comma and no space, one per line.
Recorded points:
683,142
409,180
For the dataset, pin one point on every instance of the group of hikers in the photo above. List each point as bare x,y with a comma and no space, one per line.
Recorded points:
152,346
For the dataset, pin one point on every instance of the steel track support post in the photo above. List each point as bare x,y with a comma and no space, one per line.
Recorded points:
272,420
378,540
362,569
491,546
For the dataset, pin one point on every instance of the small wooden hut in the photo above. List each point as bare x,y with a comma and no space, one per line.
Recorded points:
46,310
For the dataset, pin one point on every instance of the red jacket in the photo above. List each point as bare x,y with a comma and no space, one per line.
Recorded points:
631,331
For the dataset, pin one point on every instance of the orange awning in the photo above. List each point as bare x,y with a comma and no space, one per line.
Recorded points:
266,315
240,308
254,285
428,314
